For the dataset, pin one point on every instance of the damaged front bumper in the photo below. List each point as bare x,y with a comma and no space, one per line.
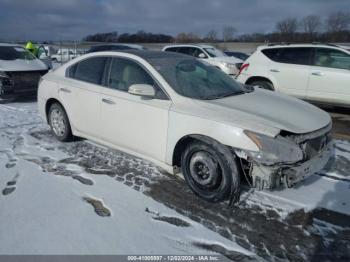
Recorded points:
269,177
19,84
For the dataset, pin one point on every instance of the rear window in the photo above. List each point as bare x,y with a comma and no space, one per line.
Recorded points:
186,50
171,49
183,50
89,70
297,55
15,53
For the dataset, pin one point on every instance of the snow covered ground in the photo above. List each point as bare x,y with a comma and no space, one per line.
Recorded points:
82,198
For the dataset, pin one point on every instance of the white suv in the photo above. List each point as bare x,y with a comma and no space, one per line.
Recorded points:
229,65
318,73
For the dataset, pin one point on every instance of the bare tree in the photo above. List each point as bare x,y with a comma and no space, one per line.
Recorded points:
211,36
338,22
287,26
187,38
311,24
228,33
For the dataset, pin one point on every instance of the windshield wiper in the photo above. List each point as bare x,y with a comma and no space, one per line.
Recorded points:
224,95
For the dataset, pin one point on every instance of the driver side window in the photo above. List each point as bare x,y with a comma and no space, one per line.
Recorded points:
125,73
332,58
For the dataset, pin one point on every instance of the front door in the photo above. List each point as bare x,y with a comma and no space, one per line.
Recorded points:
135,123
330,77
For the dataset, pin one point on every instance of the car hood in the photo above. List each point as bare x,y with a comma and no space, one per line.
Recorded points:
227,59
266,112
22,65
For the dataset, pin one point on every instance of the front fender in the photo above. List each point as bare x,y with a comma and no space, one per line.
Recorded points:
182,125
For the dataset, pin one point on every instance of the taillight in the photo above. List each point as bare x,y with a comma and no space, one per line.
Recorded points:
244,66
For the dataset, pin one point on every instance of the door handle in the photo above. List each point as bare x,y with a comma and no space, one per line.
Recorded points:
275,70
317,73
65,90
108,101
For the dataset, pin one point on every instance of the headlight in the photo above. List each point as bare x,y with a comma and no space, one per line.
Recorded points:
229,65
274,150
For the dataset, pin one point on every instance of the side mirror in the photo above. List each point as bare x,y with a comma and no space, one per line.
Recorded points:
142,90
202,55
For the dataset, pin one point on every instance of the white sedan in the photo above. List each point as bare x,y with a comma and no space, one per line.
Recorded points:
185,115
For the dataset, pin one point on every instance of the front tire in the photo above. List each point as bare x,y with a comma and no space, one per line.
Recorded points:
210,174
59,123
263,84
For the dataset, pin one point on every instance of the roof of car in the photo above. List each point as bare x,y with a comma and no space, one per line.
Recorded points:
299,45
148,55
8,44
189,45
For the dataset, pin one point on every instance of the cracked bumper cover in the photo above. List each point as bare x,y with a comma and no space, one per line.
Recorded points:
269,177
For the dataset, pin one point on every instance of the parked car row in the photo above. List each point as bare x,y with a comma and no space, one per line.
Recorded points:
185,114
64,55
209,54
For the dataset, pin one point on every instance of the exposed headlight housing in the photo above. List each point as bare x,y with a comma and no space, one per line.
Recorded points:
5,82
274,150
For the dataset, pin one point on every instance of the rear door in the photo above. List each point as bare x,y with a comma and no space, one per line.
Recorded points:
330,77
290,69
80,94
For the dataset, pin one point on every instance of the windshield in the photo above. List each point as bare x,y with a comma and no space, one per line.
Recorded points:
194,79
213,52
14,53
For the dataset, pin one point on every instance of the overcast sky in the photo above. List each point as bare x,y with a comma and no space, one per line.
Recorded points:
74,19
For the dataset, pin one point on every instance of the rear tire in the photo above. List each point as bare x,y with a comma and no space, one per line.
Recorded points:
210,174
59,123
263,84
